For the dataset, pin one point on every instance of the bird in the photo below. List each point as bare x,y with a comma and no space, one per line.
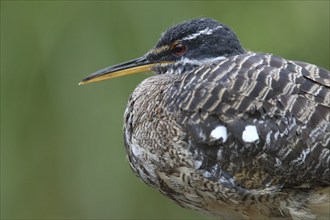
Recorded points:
226,131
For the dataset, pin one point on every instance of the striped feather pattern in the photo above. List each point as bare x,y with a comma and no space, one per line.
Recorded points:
285,102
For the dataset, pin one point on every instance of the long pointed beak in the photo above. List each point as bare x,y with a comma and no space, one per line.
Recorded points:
130,67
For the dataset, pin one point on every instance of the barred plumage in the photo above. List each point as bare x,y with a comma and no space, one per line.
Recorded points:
232,133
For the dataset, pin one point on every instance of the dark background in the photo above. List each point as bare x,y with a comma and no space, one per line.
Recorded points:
62,151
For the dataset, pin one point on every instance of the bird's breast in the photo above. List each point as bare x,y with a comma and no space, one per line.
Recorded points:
153,138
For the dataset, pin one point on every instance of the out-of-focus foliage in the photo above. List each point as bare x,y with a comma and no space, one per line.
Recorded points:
62,151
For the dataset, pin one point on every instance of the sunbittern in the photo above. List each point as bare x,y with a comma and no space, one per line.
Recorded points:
226,131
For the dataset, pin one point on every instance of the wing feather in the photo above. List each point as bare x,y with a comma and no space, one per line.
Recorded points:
286,101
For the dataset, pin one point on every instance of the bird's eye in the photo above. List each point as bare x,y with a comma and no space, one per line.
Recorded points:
178,49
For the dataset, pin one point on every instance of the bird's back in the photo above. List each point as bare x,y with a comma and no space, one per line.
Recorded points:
288,103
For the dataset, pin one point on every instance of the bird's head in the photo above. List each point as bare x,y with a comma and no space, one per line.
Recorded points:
183,46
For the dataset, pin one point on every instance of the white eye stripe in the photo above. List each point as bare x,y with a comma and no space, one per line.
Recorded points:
206,31
185,60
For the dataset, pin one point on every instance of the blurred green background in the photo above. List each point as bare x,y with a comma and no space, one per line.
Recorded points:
62,151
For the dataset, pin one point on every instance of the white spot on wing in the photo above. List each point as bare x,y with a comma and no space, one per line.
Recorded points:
219,132
250,134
